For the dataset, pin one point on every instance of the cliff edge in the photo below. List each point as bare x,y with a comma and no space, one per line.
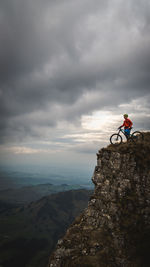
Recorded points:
114,230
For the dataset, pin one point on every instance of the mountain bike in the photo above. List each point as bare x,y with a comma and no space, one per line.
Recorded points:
116,139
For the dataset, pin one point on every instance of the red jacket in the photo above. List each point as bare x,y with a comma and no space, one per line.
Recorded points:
127,123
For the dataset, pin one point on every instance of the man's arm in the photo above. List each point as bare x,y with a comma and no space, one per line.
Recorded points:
121,125
131,123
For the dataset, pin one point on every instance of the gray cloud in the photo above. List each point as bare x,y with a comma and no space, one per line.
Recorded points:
62,59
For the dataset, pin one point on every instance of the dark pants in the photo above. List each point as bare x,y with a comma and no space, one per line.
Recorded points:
127,132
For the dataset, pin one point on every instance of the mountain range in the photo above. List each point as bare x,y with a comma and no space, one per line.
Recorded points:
27,194
29,233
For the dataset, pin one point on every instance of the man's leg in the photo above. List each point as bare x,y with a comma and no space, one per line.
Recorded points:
127,133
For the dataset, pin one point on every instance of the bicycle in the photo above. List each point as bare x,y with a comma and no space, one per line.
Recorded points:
116,139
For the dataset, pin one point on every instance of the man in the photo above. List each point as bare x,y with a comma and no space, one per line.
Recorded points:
127,125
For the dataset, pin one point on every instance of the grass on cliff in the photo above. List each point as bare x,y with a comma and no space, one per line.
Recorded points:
141,150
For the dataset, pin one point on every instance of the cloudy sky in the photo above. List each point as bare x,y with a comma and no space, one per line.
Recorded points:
68,71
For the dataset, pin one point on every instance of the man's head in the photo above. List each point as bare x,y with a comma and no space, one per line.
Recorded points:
125,116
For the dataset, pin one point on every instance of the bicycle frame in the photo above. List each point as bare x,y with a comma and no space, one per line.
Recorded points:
127,136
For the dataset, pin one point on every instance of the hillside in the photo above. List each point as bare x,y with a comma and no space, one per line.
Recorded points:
28,233
114,230
27,194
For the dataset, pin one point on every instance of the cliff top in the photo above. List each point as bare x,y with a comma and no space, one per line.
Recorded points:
141,150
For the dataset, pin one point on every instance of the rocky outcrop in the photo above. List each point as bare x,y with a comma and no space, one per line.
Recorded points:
114,230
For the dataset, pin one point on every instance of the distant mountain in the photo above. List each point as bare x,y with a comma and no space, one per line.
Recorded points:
29,233
5,207
31,193
11,178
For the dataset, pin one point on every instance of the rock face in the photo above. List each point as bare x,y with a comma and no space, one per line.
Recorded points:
114,230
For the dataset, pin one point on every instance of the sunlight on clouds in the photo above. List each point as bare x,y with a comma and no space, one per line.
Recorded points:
86,137
140,104
25,150
99,120
95,128
22,150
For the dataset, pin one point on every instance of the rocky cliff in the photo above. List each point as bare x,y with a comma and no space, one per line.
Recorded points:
114,230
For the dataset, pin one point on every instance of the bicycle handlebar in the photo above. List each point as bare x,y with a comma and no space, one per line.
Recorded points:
119,130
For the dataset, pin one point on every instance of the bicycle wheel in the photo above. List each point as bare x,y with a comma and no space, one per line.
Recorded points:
116,139
137,136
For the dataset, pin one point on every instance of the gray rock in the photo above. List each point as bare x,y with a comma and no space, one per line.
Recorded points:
109,231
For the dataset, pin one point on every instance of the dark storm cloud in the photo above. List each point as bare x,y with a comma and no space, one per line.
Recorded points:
57,52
